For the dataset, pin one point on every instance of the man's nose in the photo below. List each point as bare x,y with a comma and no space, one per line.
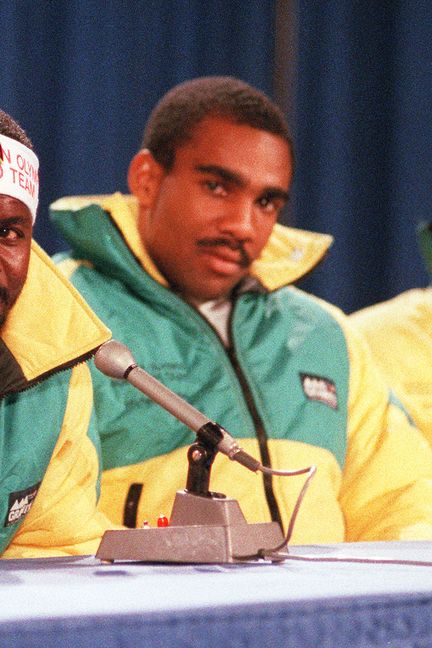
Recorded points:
239,220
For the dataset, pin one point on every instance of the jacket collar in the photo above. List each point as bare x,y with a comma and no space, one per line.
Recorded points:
289,254
49,328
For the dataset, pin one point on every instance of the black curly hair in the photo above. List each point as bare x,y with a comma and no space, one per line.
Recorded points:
10,128
175,116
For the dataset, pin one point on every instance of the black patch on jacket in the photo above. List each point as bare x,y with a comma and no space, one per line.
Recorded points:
12,378
131,505
20,503
320,389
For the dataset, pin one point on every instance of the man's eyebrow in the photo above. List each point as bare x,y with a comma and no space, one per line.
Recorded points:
222,172
275,193
14,220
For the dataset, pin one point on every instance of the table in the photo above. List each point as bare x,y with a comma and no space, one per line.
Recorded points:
79,602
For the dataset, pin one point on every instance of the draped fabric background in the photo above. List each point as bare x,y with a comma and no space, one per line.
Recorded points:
364,142
82,76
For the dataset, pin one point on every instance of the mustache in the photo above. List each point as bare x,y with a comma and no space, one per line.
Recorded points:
232,244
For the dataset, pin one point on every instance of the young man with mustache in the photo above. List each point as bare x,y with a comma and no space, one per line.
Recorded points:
49,447
194,274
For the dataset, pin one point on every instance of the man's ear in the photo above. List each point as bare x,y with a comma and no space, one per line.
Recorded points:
144,177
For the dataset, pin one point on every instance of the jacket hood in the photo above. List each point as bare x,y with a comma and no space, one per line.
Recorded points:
49,328
289,254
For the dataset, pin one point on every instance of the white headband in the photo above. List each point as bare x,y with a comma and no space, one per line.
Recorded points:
19,176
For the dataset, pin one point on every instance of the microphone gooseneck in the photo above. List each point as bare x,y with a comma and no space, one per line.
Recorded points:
115,360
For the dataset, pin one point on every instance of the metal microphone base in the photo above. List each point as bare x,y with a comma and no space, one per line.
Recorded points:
208,529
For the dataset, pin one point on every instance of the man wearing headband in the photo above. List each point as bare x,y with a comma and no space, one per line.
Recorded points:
193,273
49,454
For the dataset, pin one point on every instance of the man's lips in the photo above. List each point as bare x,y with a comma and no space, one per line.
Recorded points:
221,266
226,251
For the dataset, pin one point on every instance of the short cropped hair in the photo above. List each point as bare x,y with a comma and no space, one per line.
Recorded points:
10,128
172,121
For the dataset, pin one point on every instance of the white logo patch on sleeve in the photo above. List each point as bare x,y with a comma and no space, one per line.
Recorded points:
319,389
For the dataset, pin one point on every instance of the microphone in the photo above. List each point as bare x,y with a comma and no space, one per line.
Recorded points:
115,360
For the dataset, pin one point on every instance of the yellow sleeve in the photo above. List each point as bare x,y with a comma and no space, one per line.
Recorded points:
63,519
399,335
386,491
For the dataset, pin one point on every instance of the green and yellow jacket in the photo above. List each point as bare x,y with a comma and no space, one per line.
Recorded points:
50,463
399,334
296,387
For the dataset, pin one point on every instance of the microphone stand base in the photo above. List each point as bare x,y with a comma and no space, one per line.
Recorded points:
202,530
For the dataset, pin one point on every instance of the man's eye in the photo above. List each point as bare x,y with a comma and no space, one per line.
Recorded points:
9,234
268,204
271,204
216,187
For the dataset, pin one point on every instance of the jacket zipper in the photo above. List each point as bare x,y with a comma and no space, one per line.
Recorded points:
260,431
261,435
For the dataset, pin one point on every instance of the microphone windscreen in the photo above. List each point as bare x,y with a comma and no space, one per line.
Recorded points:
114,359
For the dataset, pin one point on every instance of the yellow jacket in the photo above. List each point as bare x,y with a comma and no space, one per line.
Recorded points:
49,475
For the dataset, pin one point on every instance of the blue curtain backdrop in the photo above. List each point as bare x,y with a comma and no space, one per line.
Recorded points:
364,142
81,76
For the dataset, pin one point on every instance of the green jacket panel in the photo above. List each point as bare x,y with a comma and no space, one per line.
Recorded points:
275,336
26,448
